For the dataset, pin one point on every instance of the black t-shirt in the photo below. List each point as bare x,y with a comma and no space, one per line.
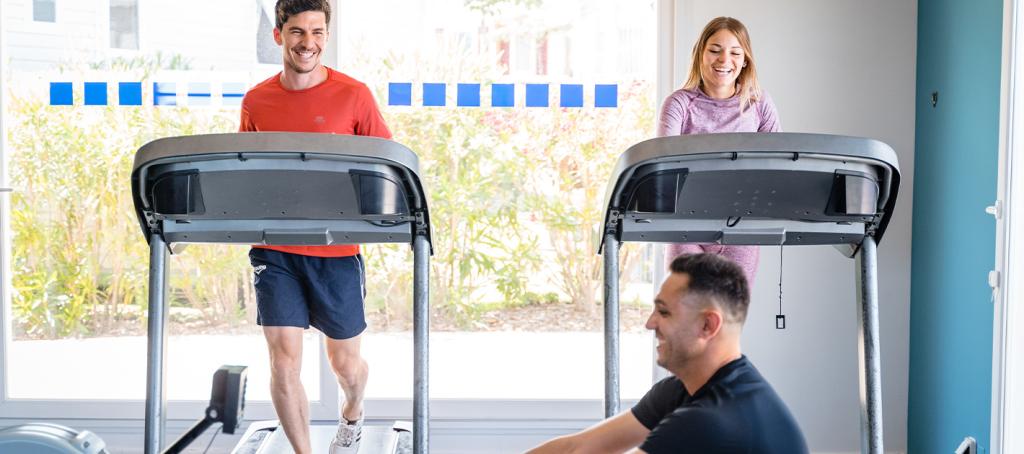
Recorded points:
736,411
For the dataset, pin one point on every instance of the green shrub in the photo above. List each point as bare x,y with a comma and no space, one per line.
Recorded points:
516,199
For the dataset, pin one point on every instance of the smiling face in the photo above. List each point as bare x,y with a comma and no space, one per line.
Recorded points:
678,323
303,38
722,61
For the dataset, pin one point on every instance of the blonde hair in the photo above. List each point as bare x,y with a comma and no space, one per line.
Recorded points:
747,86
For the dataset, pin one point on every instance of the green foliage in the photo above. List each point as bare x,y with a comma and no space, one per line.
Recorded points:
516,195
475,193
516,199
79,259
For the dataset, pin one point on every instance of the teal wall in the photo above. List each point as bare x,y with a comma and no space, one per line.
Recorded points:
955,173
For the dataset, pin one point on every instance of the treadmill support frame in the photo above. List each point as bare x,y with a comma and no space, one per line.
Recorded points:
611,325
156,403
869,349
869,345
421,339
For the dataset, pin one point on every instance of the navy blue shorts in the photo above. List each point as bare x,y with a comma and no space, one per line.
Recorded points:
300,290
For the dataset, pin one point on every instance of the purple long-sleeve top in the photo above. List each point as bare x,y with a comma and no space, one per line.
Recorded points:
690,111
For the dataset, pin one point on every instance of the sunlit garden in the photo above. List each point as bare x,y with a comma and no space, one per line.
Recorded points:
515,194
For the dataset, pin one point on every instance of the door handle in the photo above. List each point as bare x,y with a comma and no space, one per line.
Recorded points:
996,209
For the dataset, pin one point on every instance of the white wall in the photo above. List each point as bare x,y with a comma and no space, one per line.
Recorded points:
837,68
75,35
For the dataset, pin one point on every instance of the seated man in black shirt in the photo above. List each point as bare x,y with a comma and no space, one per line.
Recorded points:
716,401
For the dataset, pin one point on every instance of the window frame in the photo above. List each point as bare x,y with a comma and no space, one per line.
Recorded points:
5,243
1008,321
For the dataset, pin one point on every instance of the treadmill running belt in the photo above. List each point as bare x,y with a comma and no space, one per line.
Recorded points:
264,438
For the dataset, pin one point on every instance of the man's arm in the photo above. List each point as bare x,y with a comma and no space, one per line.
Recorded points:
613,435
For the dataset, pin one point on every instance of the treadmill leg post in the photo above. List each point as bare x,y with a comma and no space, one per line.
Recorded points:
869,360
156,401
421,337
611,325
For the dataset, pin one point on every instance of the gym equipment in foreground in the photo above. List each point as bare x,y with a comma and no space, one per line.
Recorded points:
275,188
227,405
757,189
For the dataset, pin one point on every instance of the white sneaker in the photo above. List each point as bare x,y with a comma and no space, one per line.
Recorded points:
350,433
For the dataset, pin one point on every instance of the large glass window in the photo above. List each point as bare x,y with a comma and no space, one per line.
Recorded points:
518,111
75,113
517,191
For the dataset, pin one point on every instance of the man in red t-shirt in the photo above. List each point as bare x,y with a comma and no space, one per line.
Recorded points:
322,286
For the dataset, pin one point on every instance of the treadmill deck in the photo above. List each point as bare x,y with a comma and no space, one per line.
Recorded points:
265,437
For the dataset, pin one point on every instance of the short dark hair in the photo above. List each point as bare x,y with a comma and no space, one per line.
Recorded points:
289,8
716,277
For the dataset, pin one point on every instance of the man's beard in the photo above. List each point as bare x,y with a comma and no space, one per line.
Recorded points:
297,69
295,66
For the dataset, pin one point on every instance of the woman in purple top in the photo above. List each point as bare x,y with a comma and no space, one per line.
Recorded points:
721,95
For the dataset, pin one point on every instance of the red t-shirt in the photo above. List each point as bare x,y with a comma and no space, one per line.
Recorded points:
338,105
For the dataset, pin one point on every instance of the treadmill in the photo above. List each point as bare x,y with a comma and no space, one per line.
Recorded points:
757,189
282,189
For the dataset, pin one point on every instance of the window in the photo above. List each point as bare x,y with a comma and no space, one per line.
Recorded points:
516,194
124,24
1008,369
516,280
51,316
44,10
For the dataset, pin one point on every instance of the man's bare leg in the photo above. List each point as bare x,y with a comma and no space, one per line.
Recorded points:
351,370
290,402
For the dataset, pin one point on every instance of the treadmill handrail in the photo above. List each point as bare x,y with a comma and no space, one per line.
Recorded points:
216,146
269,145
704,146
753,146
288,142
142,171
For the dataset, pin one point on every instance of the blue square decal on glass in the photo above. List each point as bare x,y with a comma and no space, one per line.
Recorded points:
571,96
164,94
606,95
95,93
129,93
468,95
433,95
61,94
536,95
503,95
400,94
232,93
